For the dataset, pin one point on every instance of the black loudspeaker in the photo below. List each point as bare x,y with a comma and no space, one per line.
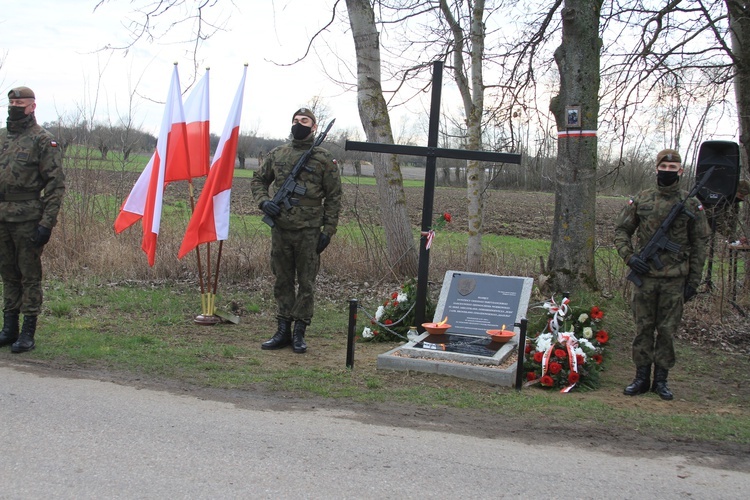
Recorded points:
722,186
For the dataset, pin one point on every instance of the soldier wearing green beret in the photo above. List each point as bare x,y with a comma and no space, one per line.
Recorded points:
657,304
301,233
32,185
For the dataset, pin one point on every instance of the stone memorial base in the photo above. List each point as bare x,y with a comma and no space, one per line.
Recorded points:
472,303
456,356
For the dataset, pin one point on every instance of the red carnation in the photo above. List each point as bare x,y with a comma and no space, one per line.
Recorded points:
579,359
596,313
394,295
528,348
538,355
394,304
573,377
602,337
560,353
530,376
598,358
447,217
547,381
554,368
389,322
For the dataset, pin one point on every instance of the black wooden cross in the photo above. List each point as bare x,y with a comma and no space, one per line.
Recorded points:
432,152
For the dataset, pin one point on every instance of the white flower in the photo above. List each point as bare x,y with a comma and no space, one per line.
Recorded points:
583,317
366,333
401,297
588,332
585,343
543,342
379,312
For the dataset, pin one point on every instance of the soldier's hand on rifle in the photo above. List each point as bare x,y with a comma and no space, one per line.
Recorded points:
270,208
638,265
689,292
323,241
42,236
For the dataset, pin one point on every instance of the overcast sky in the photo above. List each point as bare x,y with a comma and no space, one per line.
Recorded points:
51,45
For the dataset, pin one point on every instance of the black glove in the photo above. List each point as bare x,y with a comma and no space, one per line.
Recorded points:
270,208
42,236
689,292
638,265
323,241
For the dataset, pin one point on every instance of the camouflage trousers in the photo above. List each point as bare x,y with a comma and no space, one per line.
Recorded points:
20,268
657,310
295,264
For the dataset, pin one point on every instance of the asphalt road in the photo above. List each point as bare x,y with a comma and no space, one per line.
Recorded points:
78,438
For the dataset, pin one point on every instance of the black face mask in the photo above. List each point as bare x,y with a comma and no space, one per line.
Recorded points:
300,131
666,178
16,113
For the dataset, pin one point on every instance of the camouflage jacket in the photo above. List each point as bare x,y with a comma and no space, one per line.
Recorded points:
321,204
30,167
644,214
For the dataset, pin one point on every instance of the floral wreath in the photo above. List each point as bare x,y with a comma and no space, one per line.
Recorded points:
569,352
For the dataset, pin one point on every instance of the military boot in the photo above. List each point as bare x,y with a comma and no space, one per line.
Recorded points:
25,341
640,383
280,339
9,333
660,384
298,337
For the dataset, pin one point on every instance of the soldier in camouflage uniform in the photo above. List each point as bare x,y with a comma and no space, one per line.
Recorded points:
301,233
32,185
657,304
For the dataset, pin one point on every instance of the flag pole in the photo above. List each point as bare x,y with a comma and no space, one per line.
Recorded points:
218,263
198,252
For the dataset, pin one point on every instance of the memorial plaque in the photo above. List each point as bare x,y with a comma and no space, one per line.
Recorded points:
475,303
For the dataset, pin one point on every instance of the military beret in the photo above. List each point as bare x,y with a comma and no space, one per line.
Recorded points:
305,112
668,155
21,93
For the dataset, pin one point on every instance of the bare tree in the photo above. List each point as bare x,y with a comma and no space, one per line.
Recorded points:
571,259
373,112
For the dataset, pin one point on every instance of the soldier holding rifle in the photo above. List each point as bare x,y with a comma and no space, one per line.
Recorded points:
666,279
303,212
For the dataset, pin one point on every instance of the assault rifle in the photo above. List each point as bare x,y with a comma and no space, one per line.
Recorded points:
660,241
290,186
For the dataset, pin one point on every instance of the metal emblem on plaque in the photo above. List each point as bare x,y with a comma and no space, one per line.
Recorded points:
466,286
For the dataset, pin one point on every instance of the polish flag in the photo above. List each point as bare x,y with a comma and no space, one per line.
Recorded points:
145,199
210,220
197,133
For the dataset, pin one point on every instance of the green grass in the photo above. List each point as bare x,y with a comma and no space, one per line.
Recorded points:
149,331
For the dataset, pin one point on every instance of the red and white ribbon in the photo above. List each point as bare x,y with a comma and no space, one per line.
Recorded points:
576,133
570,345
430,236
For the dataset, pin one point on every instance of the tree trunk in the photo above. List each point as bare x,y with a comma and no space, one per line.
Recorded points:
740,29
571,259
472,96
373,112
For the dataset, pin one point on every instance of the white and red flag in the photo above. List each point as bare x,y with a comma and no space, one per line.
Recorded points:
145,199
210,219
197,112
